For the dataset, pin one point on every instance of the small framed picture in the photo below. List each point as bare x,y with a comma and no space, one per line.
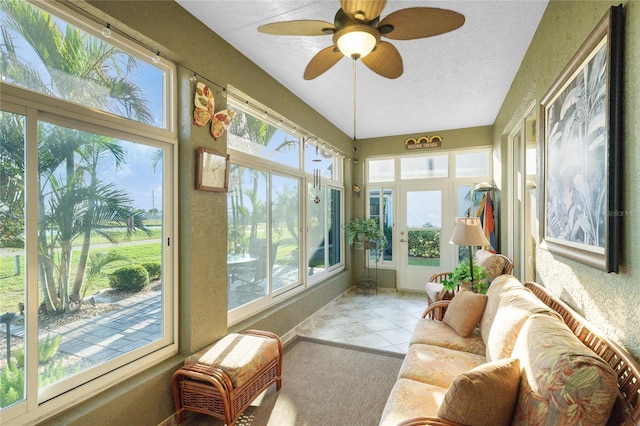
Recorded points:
213,170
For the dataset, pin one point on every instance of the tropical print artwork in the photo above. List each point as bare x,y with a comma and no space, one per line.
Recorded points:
204,112
577,157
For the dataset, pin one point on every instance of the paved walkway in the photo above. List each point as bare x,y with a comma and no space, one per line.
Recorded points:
107,336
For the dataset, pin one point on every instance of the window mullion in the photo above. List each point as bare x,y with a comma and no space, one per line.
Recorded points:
31,257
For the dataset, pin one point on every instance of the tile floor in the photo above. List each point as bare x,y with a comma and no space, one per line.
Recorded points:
381,321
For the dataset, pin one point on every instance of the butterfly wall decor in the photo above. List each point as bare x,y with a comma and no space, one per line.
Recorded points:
204,112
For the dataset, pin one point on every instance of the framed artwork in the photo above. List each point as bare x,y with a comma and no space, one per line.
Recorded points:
581,143
213,170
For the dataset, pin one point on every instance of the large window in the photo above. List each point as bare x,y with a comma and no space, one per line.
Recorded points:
285,211
86,247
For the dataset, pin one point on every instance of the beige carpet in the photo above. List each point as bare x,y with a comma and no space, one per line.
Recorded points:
323,383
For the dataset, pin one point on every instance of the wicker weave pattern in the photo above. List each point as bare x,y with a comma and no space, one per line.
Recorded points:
209,390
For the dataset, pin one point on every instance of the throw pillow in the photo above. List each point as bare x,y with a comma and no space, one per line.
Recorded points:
464,312
485,395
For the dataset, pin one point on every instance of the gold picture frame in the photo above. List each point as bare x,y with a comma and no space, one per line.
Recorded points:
213,170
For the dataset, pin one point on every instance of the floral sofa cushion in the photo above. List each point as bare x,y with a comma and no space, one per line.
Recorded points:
562,381
410,399
437,333
437,366
495,264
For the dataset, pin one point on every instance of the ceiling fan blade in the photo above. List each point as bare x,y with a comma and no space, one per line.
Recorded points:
305,27
385,60
323,60
363,10
419,22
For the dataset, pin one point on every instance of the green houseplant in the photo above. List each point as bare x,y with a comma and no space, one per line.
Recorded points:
461,276
366,230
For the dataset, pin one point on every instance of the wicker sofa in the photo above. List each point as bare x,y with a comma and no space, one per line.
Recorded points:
515,356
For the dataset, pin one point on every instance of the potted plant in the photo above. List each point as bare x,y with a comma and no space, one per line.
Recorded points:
366,230
461,276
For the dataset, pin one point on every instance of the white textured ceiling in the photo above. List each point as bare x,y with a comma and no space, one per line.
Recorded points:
454,80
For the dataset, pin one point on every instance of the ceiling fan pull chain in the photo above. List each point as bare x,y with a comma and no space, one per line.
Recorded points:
354,100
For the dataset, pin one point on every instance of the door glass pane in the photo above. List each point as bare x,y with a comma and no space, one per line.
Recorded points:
247,236
57,59
424,167
284,232
424,227
12,259
100,248
381,209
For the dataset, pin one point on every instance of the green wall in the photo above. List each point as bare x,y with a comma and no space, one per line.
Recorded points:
611,301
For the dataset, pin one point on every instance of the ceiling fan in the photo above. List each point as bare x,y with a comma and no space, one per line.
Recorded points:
357,30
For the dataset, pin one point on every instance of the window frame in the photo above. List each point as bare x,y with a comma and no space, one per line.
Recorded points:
395,186
39,404
244,159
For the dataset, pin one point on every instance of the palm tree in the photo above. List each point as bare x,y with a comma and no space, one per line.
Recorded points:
73,202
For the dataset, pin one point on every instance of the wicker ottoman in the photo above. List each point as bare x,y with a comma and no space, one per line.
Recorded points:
223,380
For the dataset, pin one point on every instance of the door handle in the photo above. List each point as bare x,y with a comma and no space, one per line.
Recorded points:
403,241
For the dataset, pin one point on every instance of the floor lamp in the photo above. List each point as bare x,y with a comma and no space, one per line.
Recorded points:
469,232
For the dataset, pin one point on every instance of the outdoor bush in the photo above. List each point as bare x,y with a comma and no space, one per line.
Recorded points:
12,379
129,278
11,385
154,269
47,349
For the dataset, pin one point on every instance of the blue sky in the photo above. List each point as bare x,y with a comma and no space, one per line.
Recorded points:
136,176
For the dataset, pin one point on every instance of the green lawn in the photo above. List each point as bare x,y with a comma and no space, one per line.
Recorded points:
423,261
12,285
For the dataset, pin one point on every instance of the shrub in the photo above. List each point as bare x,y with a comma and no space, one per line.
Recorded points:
129,278
154,269
11,385
47,349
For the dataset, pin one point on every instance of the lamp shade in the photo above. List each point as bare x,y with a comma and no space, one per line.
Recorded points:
356,44
468,232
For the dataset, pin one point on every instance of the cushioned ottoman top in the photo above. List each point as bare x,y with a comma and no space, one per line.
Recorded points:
241,356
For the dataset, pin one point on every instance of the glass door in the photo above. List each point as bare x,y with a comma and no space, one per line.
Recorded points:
422,251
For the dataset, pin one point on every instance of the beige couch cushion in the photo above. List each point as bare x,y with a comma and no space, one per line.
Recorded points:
464,312
497,289
437,366
562,381
484,396
410,399
437,333
238,355
514,308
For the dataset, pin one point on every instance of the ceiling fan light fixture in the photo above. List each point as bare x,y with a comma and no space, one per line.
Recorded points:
356,41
